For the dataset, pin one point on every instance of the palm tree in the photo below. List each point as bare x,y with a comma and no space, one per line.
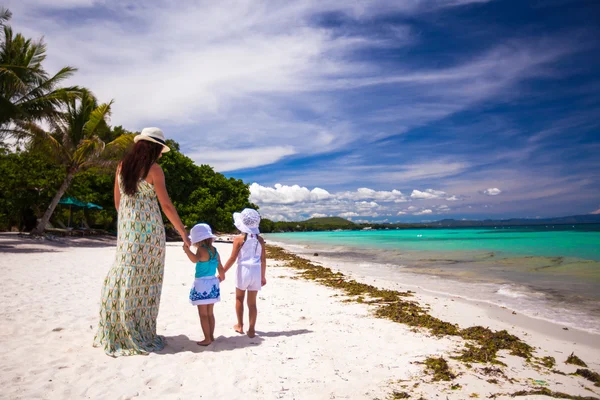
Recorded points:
5,15
78,140
27,92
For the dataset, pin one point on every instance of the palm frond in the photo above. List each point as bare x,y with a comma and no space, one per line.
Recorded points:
47,85
5,15
88,151
97,119
36,138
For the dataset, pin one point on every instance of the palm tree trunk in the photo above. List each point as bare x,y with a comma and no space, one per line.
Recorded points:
41,226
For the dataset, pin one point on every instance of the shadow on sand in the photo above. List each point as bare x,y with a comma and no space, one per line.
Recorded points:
182,344
284,333
11,242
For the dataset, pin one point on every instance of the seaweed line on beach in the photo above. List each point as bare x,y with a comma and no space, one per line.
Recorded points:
543,392
482,344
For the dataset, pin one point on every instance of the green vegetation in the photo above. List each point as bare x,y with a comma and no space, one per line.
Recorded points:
482,343
77,155
439,369
399,395
548,362
330,221
327,224
573,359
543,392
589,375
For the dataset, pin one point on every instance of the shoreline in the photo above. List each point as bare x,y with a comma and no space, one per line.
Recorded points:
547,340
576,313
313,341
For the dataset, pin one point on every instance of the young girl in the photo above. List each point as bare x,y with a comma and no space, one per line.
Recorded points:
205,291
249,250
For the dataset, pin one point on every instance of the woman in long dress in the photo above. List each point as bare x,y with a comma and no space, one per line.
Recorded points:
132,288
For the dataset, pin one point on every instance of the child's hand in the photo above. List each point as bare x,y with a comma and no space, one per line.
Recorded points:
221,277
185,246
263,281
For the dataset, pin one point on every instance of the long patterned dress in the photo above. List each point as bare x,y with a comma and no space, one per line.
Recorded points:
132,288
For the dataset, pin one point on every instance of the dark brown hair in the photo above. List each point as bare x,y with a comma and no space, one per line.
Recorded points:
136,164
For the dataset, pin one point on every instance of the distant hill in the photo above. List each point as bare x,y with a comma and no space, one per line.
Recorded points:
329,221
573,219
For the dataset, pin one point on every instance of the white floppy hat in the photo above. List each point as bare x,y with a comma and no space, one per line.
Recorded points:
153,135
200,232
247,221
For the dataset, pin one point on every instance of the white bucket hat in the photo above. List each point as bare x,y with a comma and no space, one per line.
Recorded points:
200,232
153,135
247,221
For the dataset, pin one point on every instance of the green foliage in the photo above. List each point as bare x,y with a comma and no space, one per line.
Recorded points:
78,154
331,224
27,92
28,181
329,221
573,359
202,195
439,369
589,375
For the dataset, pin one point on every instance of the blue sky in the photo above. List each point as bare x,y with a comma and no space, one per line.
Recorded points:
374,110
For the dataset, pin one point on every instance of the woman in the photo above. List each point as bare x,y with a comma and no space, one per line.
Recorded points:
131,292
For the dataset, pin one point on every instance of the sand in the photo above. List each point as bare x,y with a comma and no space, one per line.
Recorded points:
310,344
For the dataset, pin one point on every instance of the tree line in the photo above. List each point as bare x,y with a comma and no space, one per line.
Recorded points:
56,141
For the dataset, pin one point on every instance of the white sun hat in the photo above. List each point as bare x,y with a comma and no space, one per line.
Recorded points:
200,232
153,135
247,221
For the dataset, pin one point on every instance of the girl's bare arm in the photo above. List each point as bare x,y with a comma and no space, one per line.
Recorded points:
220,269
263,261
234,253
193,257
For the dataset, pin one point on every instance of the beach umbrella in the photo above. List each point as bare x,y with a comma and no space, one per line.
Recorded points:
71,201
92,205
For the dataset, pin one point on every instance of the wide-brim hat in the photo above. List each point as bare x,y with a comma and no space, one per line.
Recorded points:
153,135
201,232
247,221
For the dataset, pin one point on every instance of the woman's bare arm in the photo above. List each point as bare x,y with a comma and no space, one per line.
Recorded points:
116,190
157,178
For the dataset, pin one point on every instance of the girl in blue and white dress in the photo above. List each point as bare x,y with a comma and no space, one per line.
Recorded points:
205,291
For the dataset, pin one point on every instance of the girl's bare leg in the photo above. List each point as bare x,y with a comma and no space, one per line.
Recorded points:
204,322
239,310
211,320
252,311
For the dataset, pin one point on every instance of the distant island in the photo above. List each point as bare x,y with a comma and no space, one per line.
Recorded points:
338,223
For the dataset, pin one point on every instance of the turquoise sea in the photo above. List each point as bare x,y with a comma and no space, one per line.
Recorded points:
550,272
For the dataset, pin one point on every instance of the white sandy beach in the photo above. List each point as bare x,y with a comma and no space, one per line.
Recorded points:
310,344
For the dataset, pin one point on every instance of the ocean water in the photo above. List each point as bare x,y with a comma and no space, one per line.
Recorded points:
548,272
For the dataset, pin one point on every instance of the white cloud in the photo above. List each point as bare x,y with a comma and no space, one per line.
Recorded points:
242,74
423,212
230,160
492,191
283,194
401,213
366,204
366,194
318,215
348,214
428,194
596,212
